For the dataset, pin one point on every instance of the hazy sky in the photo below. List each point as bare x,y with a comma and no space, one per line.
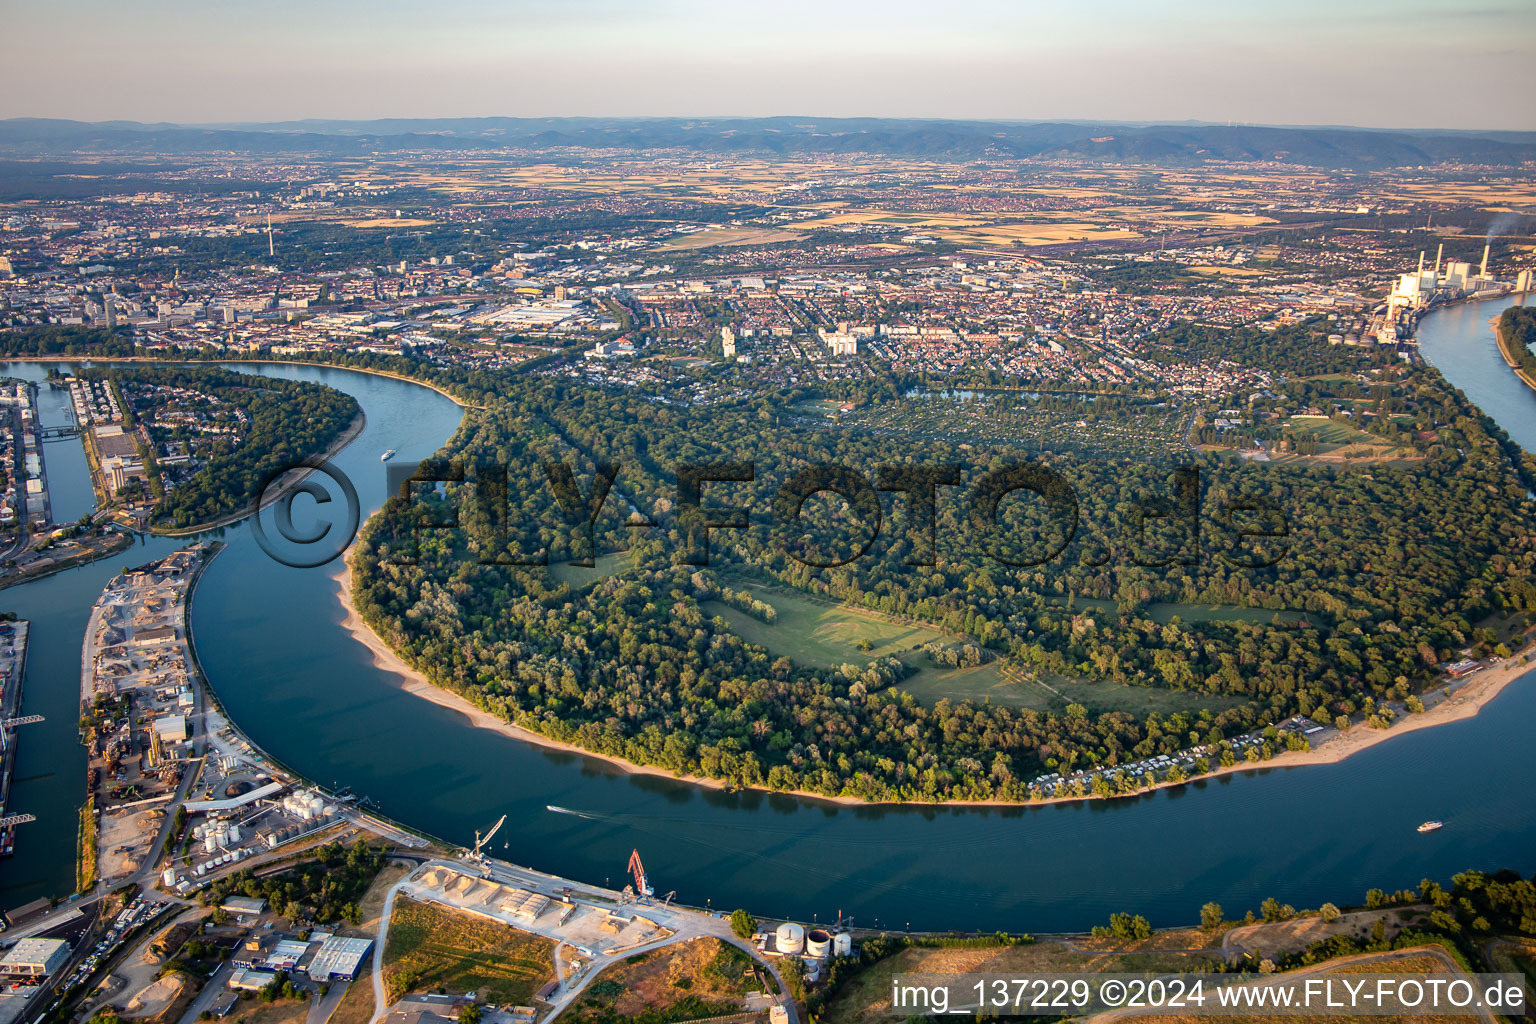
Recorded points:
1403,63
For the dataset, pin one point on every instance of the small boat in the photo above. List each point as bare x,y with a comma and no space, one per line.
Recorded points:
387,455
1432,826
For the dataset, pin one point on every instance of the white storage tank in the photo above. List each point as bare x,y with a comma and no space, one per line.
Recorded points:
210,842
201,870
234,834
790,938
817,943
842,944
168,877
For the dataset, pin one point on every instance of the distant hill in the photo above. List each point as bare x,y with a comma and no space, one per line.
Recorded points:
1167,144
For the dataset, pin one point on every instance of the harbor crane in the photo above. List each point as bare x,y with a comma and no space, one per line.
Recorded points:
480,840
642,885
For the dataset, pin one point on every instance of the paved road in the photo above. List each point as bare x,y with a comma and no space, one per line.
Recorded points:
210,992
320,1010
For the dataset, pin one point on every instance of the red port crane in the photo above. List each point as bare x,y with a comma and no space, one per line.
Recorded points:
642,884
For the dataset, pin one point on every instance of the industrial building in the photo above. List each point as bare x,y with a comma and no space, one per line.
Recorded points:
34,958
243,906
249,979
339,958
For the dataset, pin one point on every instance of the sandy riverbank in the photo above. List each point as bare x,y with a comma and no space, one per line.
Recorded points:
1465,703
1507,350
417,684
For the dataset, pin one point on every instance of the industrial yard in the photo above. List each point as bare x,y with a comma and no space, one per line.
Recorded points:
13,669
138,703
593,931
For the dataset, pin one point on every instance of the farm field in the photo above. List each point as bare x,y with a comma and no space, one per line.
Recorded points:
430,947
729,236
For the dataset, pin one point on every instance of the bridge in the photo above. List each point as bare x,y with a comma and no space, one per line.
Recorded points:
16,819
23,720
51,433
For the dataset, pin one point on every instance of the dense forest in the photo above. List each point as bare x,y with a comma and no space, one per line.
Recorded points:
289,420
326,889
1393,567
1372,576
67,341
1517,326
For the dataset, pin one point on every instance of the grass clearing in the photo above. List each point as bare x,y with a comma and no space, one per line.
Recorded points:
430,946
576,576
372,903
700,978
1101,697
283,1011
1164,612
356,1007
994,681
822,635
1527,965
825,635
866,997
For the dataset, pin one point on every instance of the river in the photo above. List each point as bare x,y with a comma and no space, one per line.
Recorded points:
270,643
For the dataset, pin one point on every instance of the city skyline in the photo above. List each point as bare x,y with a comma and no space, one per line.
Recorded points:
1378,65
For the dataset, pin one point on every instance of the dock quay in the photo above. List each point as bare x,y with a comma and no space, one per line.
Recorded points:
13,670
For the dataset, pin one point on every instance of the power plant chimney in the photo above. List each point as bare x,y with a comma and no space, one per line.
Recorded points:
1484,271
1439,253
1421,262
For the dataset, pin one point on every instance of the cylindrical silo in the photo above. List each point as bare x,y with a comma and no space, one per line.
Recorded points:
817,943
